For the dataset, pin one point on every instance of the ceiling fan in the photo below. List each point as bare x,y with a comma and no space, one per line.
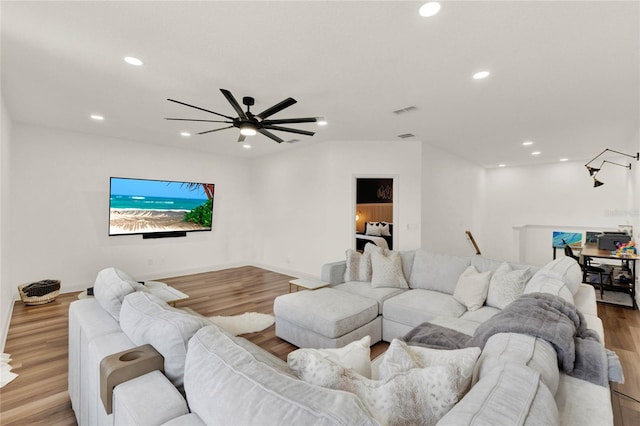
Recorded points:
250,123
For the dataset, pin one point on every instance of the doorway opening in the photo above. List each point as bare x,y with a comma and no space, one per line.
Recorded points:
374,212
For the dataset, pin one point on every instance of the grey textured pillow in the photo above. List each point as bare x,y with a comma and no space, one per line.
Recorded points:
358,266
420,396
110,288
146,319
387,271
506,285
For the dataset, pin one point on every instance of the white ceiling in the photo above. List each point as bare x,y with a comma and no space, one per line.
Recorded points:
563,74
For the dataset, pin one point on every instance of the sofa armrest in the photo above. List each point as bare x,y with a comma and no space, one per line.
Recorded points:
150,399
333,273
126,365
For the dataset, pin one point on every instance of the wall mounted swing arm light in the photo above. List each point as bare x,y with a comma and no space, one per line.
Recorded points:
593,171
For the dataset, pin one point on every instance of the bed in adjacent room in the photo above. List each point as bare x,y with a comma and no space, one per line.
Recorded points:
378,233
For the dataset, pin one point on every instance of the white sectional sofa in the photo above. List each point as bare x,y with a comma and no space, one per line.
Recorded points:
211,377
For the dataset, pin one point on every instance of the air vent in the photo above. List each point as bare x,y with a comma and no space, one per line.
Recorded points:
404,110
292,141
406,135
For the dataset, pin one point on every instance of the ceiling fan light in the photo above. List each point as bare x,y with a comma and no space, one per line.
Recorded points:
247,130
429,9
321,121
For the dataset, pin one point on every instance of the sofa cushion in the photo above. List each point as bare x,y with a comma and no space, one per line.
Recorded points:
537,354
547,281
510,395
145,319
506,285
356,356
439,272
480,315
569,270
407,263
379,294
358,266
414,307
110,288
326,311
585,299
472,287
222,379
420,396
484,264
400,358
387,271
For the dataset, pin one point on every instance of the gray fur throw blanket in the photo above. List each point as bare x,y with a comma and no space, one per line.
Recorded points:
579,350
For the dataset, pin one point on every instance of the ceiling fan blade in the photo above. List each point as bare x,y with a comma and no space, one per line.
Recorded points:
276,108
241,138
214,130
227,94
191,119
290,130
201,109
291,120
270,135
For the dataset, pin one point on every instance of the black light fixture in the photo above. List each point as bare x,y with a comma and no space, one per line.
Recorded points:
593,171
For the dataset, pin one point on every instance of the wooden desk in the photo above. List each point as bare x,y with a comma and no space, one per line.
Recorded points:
591,250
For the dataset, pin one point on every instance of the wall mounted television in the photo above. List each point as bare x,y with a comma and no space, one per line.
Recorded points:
159,208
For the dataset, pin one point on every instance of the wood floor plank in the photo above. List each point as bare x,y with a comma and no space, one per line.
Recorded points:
37,341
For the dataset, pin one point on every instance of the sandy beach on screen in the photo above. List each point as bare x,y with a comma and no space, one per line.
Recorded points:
137,221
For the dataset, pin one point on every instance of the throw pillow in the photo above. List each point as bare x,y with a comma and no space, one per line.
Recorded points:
358,266
400,358
373,229
387,271
110,288
385,230
569,270
146,319
472,288
547,281
506,285
356,356
420,396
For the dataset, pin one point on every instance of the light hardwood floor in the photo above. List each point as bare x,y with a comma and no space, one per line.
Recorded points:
37,341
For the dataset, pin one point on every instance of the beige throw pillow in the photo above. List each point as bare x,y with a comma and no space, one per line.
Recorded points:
472,288
506,285
387,271
400,358
420,396
356,356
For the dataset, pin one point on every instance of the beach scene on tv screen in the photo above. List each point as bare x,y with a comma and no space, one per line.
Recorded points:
139,206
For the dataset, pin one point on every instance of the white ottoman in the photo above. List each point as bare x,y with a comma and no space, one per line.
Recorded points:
326,318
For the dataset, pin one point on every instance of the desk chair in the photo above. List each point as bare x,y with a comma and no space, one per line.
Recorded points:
589,269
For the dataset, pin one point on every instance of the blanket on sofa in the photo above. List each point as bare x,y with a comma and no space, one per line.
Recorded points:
579,351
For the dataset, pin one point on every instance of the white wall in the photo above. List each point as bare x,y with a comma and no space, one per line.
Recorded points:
452,195
6,288
304,201
554,195
60,207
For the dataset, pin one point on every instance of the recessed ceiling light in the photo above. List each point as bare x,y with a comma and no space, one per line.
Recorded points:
429,9
564,159
502,165
185,134
321,121
97,117
527,143
480,75
536,153
133,61
246,146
